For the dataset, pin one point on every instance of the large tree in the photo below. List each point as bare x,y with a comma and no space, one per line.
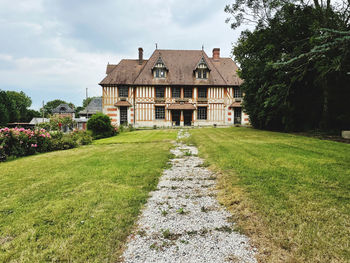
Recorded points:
294,78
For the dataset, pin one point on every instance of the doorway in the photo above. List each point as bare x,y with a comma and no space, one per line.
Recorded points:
123,115
187,117
175,116
237,116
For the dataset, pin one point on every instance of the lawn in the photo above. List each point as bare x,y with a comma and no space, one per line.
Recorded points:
289,193
78,205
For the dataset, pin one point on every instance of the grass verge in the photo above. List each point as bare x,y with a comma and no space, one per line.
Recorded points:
289,193
78,205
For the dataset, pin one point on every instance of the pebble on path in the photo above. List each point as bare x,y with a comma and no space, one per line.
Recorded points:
182,220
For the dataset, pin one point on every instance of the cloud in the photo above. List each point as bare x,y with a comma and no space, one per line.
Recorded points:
56,48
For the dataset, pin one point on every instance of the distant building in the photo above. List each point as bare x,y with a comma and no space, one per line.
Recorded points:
36,121
94,106
174,87
64,110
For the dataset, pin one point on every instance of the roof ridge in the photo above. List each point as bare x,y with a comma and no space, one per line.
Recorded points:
217,70
143,67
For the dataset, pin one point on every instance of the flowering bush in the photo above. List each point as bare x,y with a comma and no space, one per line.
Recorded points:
18,142
21,142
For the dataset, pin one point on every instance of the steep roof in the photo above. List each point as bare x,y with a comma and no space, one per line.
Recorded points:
124,73
94,106
180,65
63,108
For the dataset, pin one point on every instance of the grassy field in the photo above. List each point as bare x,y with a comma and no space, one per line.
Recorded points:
78,205
290,193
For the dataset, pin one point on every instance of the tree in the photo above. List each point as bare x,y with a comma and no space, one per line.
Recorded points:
22,102
32,114
261,12
14,107
293,80
100,126
6,107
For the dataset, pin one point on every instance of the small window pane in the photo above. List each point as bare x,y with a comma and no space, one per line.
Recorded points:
187,92
159,92
160,113
237,93
204,74
202,113
175,92
123,91
202,92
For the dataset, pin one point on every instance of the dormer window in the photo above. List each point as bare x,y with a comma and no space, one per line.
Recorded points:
202,69
160,73
159,69
202,73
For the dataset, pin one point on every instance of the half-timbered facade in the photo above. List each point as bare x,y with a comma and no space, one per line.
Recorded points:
173,88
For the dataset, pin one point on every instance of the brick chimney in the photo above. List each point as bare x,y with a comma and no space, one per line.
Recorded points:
140,55
216,53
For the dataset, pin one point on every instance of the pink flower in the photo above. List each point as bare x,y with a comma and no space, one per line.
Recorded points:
34,145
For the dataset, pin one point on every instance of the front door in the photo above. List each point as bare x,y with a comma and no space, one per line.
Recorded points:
187,117
123,115
175,116
238,116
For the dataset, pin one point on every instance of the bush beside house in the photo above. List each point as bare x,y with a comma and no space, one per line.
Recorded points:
100,126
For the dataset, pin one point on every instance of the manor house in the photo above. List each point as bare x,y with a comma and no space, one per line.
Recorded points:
173,88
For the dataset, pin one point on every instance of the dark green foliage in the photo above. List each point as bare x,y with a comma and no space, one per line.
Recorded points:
296,74
21,102
100,126
14,107
82,137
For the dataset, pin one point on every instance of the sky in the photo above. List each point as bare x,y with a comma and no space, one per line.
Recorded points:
55,49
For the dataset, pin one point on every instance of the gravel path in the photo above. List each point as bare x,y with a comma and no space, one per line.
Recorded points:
183,221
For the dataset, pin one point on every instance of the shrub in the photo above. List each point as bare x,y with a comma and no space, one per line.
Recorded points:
82,137
57,123
21,142
100,126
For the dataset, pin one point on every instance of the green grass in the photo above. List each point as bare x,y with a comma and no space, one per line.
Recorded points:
78,205
290,193
140,137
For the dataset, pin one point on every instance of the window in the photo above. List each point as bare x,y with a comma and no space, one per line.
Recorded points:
160,113
176,92
202,92
159,92
202,73
237,93
123,92
202,113
160,73
187,92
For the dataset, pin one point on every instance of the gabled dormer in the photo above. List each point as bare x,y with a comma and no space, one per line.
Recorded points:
159,70
202,70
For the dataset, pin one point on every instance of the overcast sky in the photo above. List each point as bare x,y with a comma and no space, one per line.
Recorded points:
55,49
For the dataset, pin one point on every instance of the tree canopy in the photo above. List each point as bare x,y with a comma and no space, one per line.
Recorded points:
295,64
14,107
